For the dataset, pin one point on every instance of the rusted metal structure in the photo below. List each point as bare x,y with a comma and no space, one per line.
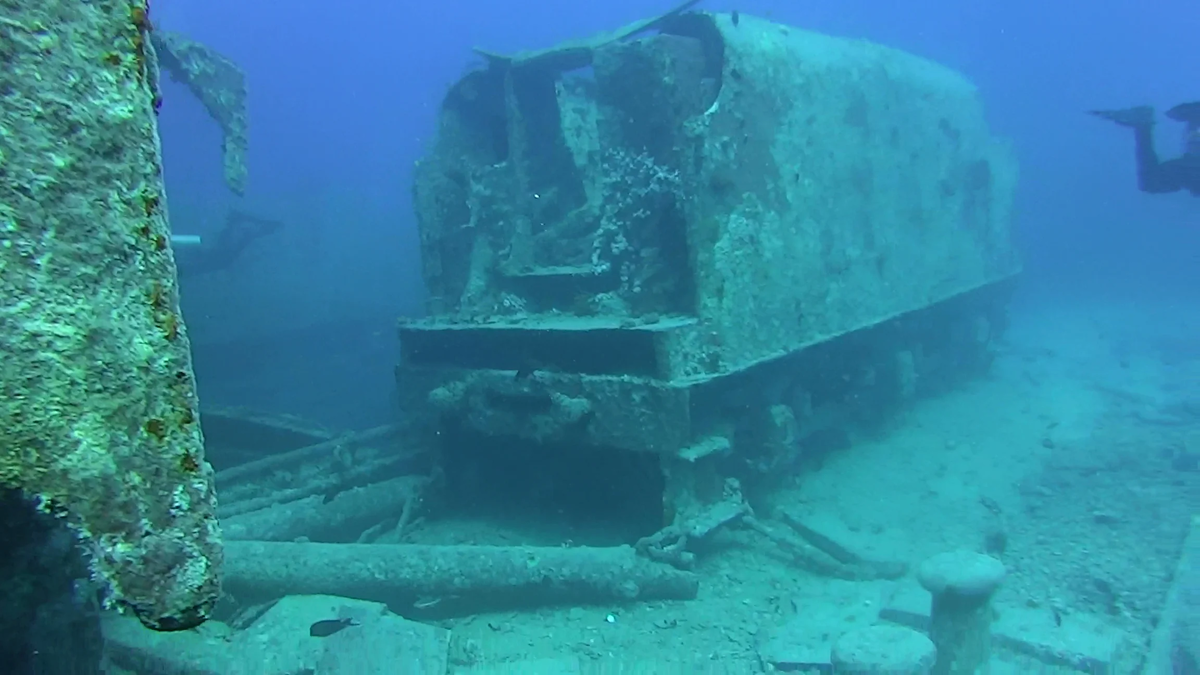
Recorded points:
699,244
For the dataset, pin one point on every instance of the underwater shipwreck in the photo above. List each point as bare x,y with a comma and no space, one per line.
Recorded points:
698,250
671,268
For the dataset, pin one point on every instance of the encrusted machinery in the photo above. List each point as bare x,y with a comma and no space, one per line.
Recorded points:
706,242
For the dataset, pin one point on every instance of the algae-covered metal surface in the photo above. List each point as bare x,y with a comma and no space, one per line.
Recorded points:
98,412
776,186
221,87
620,233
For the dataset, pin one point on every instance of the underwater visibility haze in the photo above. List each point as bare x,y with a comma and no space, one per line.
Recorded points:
631,337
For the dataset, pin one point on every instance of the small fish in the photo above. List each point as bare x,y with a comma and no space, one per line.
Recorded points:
736,17
427,602
330,626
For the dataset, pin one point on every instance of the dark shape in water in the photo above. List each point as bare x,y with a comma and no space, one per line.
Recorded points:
329,627
1186,112
1185,461
735,17
240,230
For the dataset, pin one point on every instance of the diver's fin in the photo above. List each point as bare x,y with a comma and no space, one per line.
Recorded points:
1186,112
1141,116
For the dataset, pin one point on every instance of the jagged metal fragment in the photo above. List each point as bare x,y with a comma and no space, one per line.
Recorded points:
221,87
98,412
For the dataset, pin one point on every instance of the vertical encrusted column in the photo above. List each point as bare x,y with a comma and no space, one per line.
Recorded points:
98,412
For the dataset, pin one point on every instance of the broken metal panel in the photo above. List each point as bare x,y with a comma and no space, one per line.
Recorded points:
221,87
98,414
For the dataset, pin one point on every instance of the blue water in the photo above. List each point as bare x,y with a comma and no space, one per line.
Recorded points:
1090,414
343,101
